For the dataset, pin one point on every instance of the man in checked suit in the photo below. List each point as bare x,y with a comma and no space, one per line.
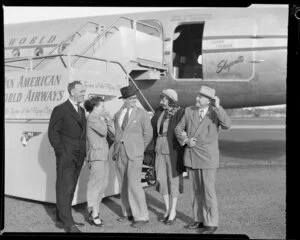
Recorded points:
67,135
198,129
133,134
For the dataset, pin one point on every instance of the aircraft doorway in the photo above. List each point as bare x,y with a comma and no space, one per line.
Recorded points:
187,51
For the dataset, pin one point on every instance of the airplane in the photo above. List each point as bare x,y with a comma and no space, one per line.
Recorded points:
240,52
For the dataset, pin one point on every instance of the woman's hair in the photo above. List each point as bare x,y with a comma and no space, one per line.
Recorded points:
171,102
92,102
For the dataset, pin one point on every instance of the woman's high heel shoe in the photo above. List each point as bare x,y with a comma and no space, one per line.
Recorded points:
95,221
164,219
170,222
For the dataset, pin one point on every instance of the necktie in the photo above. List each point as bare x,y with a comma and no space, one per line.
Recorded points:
79,112
201,115
125,120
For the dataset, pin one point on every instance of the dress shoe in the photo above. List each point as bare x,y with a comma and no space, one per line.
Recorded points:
207,230
72,229
96,222
122,219
195,225
164,219
78,224
138,224
170,222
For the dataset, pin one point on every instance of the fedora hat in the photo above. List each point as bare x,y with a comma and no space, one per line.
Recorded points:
207,92
128,91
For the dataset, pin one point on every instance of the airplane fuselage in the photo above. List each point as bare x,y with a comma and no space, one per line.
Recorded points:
244,51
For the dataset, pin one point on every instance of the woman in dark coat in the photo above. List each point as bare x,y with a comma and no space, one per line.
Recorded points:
169,154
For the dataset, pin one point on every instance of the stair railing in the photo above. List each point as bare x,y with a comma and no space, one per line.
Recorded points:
69,37
134,24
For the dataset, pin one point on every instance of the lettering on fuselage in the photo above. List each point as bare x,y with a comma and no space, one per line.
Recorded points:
35,40
224,65
41,83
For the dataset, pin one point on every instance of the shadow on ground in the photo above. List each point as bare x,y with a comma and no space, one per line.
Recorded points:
259,150
158,208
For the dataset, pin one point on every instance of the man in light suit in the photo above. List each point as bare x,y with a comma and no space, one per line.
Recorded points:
133,132
67,135
198,129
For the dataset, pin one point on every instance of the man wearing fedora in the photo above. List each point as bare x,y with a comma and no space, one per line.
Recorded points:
198,129
133,132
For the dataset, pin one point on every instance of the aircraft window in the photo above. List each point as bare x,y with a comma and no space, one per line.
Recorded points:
15,52
187,51
38,51
147,29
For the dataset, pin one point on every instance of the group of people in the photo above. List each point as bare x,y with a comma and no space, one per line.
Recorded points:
184,139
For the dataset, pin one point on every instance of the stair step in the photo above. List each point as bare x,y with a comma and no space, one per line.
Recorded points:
149,63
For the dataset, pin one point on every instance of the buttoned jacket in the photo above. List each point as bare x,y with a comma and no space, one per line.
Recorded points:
205,155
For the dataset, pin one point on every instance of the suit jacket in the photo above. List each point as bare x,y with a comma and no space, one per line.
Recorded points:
96,132
137,134
205,155
175,149
67,132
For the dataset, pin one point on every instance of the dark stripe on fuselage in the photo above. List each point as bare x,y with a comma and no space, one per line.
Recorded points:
242,37
243,49
31,46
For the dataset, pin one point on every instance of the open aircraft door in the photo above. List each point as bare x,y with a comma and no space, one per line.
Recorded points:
228,49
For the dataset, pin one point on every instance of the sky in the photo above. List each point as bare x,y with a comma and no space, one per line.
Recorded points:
30,14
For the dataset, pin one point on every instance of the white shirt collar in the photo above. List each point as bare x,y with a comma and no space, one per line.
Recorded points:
204,110
74,104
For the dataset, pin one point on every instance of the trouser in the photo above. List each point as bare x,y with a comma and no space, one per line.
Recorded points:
67,171
98,180
203,196
166,183
132,193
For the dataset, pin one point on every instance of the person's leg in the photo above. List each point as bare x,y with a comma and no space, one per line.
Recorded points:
195,194
66,173
210,206
92,189
122,164
166,198
161,179
173,185
103,181
136,194
95,186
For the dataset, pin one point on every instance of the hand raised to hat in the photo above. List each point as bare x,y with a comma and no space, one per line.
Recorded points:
216,102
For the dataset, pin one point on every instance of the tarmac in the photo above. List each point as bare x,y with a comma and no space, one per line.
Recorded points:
250,185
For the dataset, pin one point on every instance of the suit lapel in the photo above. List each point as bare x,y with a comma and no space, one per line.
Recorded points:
118,119
159,121
195,117
73,112
132,116
205,121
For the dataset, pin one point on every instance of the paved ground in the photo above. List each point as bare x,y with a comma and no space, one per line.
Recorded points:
251,190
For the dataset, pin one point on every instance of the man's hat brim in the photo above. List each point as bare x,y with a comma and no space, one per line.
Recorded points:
211,98
130,95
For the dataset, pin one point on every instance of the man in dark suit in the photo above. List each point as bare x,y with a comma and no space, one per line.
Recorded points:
67,135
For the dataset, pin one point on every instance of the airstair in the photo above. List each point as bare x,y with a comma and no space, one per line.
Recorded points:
127,52
104,59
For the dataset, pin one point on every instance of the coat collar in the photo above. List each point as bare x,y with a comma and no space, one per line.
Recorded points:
131,118
74,113
196,119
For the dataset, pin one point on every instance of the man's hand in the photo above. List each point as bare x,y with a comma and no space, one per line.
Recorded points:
191,142
216,102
